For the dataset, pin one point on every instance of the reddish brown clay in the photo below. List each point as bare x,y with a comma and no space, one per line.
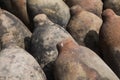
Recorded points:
110,39
79,63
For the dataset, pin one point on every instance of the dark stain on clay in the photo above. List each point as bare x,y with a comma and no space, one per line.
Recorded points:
27,43
2,29
114,58
91,40
48,69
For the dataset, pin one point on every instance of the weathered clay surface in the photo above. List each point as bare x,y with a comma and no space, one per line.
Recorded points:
56,10
94,6
18,8
7,40
112,4
110,39
84,27
17,64
79,63
10,24
44,40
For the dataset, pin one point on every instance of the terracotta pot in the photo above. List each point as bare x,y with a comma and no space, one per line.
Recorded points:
56,10
80,63
109,39
84,27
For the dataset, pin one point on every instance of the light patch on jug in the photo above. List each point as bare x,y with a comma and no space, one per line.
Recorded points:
41,23
7,22
61,44
49,11
50,53
76,70
97,24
